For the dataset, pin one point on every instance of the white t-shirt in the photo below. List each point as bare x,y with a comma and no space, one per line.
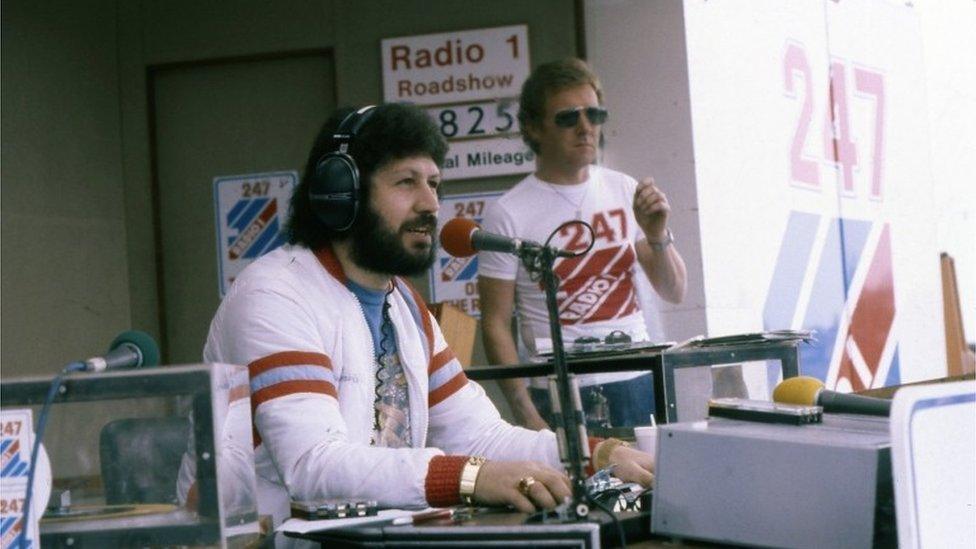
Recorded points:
596,294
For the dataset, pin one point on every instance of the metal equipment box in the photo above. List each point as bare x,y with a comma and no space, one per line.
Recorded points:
776,485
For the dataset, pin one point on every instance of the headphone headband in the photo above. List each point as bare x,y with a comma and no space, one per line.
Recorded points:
350,126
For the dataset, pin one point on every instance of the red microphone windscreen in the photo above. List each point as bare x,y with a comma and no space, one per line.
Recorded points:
456,237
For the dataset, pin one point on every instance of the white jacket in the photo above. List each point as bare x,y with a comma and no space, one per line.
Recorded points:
290,318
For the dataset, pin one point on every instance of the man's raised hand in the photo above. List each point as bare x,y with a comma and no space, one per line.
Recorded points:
651,208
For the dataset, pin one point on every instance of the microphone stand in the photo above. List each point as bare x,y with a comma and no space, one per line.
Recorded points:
574,450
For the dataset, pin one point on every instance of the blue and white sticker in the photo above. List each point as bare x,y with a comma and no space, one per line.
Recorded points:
16,439
251,211
12,529
454,280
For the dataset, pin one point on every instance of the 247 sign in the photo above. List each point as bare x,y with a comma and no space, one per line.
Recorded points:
16,443
455,279
834,273
838,146
251,211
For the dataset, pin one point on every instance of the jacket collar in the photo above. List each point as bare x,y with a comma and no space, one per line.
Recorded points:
328,259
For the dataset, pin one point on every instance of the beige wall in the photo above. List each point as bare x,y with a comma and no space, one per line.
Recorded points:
62,217
78,259
77,249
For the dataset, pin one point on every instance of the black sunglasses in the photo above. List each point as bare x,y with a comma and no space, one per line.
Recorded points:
570,117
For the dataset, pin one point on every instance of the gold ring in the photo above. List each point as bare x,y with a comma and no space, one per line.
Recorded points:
525,485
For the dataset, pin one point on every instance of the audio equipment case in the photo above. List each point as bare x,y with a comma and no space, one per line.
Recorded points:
768,484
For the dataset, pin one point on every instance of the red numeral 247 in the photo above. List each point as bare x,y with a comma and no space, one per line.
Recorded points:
839,148
603,229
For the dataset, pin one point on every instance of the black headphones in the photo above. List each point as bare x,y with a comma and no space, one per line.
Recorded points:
333,190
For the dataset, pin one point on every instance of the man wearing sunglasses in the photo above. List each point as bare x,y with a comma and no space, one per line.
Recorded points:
561,113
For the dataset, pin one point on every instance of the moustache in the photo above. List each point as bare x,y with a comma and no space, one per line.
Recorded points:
423,222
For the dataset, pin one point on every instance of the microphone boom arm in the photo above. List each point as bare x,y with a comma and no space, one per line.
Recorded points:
570,425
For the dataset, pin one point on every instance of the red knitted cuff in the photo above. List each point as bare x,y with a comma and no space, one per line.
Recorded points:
592,441
443,483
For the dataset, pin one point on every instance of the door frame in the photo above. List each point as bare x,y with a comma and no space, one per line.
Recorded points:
152,72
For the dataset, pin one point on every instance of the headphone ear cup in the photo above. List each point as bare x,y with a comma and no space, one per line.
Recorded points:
334,191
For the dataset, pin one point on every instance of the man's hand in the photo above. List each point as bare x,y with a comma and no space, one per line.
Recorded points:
498,484
651,208
632,465
662,264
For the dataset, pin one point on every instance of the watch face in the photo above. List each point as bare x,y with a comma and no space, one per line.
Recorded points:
668,239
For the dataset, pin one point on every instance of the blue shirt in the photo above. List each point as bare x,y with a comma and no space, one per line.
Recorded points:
371,302
392,406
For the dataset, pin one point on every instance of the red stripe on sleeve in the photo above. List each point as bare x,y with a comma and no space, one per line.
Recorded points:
290,388
446,390
239,392
440,359
288,358
286,388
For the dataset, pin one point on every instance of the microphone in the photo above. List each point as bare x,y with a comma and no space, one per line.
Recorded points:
807,391
131,349
462,237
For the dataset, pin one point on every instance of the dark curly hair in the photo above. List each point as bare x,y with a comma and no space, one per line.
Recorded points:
393,131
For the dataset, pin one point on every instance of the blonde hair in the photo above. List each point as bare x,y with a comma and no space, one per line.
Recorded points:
547,79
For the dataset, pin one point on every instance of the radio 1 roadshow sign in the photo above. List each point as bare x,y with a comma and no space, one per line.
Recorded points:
470,81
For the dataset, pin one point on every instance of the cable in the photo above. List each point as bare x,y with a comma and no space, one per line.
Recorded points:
38,435
616,522
574,222
535,269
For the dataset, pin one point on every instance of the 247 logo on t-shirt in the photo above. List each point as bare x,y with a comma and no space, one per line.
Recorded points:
599,285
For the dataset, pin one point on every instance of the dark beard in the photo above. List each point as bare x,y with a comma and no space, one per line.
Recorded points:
377,248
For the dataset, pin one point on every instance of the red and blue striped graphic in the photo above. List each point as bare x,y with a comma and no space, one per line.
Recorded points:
12,532
834,275
458,269
256,221
11,463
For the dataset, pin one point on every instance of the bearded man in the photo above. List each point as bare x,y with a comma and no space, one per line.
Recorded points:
356,395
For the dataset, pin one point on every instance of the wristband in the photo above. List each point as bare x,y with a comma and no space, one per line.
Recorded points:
668,240
469,477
